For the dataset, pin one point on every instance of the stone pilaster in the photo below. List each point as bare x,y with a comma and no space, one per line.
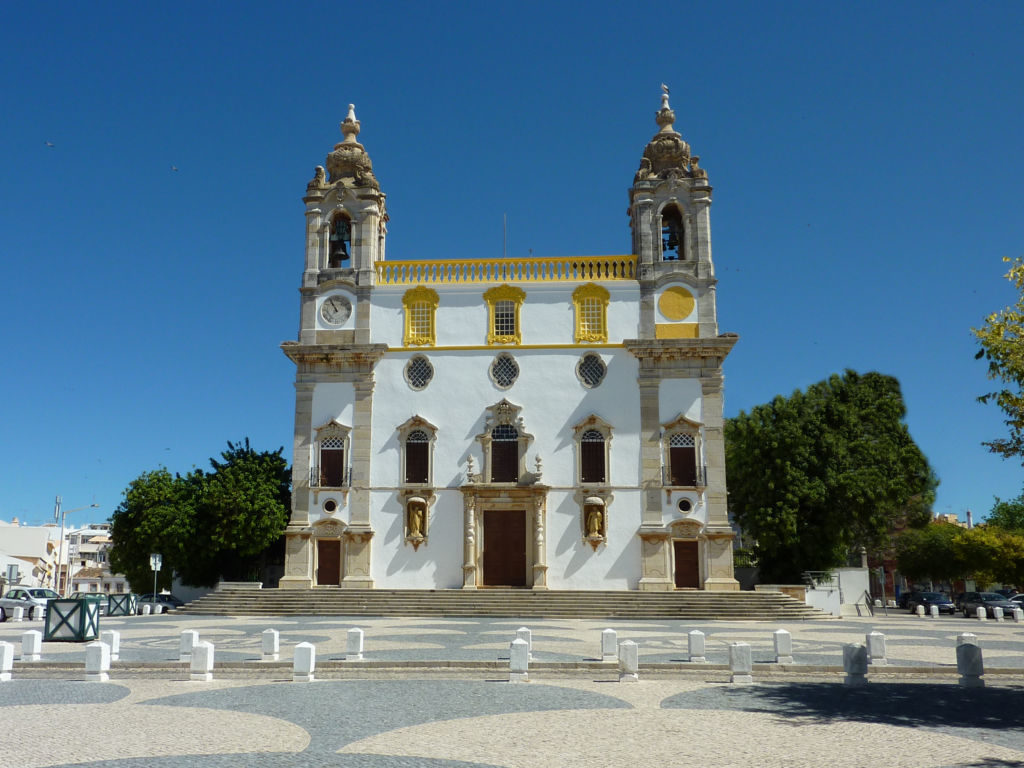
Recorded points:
298,560
719,532
655,561
361,441
650,447
540,554
469,563
357,558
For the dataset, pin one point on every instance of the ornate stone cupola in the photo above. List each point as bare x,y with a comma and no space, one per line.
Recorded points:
668,203
346,216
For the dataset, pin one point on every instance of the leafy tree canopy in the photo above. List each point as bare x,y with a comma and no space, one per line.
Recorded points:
207,525
1008,515
1001,338
818,473
931,552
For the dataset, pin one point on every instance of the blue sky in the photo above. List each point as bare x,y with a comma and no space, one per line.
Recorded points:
866,161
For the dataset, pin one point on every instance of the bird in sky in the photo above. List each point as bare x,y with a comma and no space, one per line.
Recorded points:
50,144
174,167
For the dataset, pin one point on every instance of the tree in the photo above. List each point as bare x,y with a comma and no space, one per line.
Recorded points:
207,525
992,554
931,552
815,475
1008,515
1001,338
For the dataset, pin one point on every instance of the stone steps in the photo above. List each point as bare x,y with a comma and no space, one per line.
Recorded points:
512,603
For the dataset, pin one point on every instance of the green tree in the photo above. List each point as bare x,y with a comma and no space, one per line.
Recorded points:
815,475
157,515
1001,338
1008,515
931,552
207,525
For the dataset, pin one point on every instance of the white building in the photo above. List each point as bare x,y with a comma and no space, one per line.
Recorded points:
32,549
553,423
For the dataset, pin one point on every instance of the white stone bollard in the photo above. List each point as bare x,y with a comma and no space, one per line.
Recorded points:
783,646
1018,615
696,647
875,642
6,661
31,645
271,645
855,664
189,640
933,611
38,612
97,662
629,662
146,609
354,645
609,645
980,613
997,613
970,665
523,633
113,640
741,663
17,613
201,664
518,661
967,638
304,663
919,611
878,603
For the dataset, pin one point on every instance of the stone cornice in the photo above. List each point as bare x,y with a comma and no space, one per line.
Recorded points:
675,349
325,358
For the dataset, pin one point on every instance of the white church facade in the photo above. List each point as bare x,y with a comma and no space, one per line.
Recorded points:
544,423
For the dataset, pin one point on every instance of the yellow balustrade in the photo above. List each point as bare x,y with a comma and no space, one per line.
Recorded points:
541,270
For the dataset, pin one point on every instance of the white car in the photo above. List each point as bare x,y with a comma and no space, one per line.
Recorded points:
33,599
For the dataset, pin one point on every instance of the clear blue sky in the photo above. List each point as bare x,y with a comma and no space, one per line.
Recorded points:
866,160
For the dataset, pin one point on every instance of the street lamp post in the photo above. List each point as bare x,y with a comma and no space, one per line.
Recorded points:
63,513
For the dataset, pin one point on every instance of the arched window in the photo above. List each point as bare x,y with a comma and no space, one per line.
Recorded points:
591,302
417,457
592,457
673,240
682,459
504,454
420,309
340,241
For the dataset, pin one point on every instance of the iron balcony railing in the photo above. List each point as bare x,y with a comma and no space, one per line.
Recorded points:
316,482
699,479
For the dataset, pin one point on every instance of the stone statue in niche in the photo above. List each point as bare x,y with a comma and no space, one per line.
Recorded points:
594,519
416,521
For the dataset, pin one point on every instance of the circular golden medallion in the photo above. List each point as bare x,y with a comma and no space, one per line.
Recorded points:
676,303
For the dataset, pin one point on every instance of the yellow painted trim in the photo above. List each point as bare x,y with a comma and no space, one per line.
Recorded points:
524,270
676,303
420,295
581,295
676,331
480,347
504,293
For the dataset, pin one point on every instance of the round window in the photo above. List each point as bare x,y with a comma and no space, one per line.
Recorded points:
419,372
504,371
330,506
591,370
684,505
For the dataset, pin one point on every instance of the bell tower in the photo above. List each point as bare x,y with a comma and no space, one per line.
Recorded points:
668,215
680,354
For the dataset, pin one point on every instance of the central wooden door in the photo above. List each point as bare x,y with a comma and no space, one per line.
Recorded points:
687,565
504,552
328,562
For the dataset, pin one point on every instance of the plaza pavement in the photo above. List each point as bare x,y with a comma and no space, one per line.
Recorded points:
433,692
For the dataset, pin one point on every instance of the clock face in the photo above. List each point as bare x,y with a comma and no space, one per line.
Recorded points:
336,310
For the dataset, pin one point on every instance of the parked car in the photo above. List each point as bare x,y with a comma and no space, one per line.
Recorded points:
33,599
103,597
168,601
906,597
928,599
988,601
1006,592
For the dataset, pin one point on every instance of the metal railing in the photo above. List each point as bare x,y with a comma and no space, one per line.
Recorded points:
459,271
699,480
315,481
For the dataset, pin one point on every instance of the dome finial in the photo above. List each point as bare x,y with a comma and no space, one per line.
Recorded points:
665,117
350,127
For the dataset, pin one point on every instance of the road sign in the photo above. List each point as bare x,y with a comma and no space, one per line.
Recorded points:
155,561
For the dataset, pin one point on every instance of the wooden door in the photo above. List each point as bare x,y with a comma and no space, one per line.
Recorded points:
328,561
687,565
504,552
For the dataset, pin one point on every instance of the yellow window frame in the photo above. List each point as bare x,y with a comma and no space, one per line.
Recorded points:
586,330
416,302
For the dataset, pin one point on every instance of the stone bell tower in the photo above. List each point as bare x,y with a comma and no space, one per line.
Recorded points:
328,535
669,206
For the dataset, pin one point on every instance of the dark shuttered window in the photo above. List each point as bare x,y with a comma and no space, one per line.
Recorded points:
682,456
504,454
592,459
417,458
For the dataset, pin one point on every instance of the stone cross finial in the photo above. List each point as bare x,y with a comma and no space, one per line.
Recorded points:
665,117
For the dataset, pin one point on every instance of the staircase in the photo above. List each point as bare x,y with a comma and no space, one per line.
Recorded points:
511,603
